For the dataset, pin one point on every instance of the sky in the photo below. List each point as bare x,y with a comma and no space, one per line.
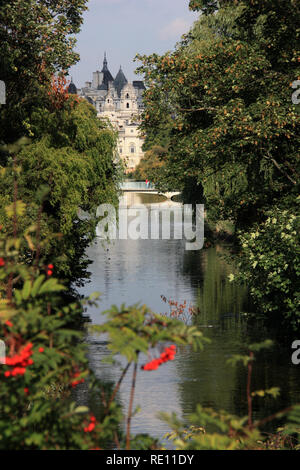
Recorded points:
124,28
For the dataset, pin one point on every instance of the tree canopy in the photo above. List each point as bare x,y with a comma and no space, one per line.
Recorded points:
37,40
227,87
66,165
221,104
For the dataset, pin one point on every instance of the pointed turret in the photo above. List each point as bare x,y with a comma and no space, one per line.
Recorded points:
120,81
107,76
105,62
72,88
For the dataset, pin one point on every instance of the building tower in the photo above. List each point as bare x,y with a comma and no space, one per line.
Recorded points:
120,102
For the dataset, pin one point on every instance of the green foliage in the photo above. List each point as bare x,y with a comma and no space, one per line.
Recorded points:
66,157
270,265
36,390
144,442
227,432
206,6
68,167
208,429
151,164
220,126
136,329
234,133
293,426
246,359
37,40
273,392
36,395
234,127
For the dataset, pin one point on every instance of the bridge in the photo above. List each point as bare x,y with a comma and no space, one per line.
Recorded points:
142,187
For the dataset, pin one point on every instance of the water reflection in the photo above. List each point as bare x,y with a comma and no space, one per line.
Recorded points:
141,271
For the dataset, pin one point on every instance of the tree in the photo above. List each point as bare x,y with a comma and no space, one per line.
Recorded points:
37,40
206,6
151,163
46,359
234,133
66,167
68,163
227,86
269,264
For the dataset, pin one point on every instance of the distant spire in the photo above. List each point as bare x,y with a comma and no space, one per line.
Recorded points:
107,76
72,88
105,62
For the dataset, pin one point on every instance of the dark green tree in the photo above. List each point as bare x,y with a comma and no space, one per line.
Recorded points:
228,89
68,164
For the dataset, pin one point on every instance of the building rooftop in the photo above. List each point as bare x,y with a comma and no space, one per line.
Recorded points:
72,88
120,81
139,84
107,76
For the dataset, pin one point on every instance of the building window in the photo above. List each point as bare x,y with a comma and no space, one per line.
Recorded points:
127,105
132,149
127,96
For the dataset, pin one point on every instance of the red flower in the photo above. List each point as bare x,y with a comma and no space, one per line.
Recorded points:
49,272
18,371
167,355
50,266
2,262
8,323
26,391
19,361
76,382
91,426
41,349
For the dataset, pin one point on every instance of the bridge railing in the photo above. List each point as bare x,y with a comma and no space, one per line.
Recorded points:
138,185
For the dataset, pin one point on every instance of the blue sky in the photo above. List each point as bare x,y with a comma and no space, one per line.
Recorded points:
123,28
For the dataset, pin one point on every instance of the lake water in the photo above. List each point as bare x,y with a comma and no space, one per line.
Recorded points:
131,271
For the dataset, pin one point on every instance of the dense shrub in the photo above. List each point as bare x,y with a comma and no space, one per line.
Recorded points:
270,266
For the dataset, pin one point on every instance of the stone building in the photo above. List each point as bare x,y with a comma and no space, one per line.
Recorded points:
121,102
